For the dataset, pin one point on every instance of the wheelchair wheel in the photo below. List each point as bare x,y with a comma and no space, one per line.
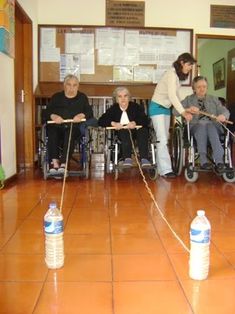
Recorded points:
44,163
87,167
108,163
152,173
229,176
116,173
190,175
177,150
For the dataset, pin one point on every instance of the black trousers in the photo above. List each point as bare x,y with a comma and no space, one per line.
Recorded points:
58,140
141,137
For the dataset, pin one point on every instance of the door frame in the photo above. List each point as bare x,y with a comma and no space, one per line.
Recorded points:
27,41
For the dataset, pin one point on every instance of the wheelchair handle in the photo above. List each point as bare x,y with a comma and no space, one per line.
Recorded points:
65,121
124,127
213,116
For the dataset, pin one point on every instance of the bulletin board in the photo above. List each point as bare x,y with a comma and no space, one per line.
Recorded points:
99,54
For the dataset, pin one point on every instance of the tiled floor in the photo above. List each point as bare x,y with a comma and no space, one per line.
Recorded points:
120,256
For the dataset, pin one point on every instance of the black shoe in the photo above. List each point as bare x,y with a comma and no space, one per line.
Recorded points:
219,167
169,175
206,166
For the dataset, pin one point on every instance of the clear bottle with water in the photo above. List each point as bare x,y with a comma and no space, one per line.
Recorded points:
54,240
200,233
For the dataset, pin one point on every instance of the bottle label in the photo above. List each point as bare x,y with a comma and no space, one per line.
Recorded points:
200,236
53,227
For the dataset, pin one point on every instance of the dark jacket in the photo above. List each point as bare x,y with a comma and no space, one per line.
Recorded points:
67,108
134,111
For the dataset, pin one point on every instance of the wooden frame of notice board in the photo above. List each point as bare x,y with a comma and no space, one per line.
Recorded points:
109,55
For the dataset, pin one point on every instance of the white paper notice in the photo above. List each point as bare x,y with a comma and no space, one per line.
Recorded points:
132,39
48,54
183,42
122,73
69,64
143,74
48,37
79,42
87,64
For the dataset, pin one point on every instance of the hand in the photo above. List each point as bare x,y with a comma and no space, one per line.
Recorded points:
193,110
117,125
78,117
131,125
188,116
57,119
221,118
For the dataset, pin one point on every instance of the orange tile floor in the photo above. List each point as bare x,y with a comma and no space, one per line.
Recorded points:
120,256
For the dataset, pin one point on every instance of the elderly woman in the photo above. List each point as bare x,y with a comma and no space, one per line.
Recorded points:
202,127
126,113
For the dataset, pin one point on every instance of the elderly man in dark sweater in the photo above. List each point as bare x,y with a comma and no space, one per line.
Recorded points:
67,104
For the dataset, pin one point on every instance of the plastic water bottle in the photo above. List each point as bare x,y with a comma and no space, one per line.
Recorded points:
200,232
54,241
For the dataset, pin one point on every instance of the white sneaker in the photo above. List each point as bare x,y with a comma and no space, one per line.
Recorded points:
127,162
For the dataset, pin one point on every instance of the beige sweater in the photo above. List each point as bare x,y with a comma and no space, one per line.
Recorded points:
166,92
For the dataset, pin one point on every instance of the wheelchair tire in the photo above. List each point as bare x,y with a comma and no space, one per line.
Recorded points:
229,176
116,173
108,163
87,169
44,163
177,150
152,173
190,175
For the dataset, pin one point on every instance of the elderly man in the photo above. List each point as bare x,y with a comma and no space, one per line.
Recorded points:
67,104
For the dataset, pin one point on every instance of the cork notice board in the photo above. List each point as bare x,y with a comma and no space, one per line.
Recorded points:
109,54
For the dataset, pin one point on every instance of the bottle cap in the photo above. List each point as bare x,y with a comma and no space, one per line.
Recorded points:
201,212
52,205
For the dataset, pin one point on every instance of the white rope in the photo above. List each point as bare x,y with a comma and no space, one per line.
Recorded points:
152,196
66,167
215,118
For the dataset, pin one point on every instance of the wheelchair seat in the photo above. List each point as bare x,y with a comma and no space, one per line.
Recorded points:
184,154
79,163
114,159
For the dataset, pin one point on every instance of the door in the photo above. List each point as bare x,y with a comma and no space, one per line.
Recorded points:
23,89
231,78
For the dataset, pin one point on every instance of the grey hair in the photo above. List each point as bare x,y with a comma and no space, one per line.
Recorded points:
69,77
121,89
197,79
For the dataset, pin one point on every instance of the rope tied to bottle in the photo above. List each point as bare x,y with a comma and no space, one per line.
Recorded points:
66,167
152,196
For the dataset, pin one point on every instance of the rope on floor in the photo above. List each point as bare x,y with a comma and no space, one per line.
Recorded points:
152,196
66,168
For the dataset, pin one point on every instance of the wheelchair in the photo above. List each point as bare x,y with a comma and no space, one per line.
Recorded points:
79,163
113,155
185,155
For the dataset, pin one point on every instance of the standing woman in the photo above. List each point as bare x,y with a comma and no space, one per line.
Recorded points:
166,94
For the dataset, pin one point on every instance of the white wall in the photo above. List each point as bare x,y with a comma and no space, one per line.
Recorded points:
7,117
158,13
7,96
209,53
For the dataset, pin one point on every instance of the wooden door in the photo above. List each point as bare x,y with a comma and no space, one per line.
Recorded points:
231,78
23,89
